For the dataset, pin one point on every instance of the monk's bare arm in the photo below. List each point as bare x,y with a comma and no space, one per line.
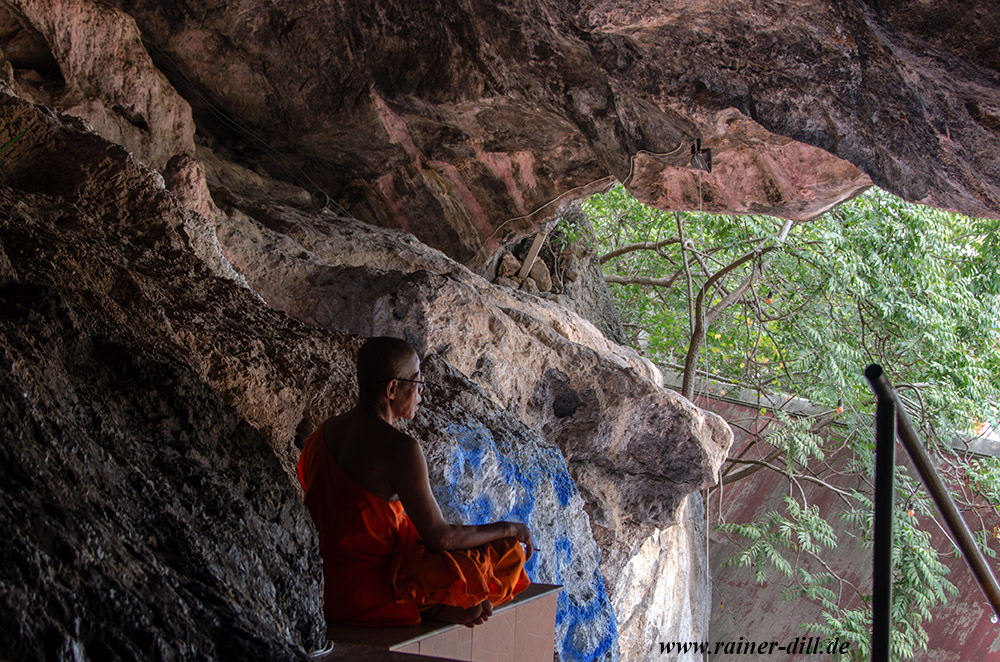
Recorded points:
410,479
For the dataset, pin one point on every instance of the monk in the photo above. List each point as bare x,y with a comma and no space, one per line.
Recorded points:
389,556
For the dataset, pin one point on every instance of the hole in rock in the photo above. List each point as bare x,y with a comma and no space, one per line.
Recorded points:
27,51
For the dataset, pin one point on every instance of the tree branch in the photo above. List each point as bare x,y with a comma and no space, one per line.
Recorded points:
747,471
701,325
819,481
732,297
642,246
687,272
698,334
642,280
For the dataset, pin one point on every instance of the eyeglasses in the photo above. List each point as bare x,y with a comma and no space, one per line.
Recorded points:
419,382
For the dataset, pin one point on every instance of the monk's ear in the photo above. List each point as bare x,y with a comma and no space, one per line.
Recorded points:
391,388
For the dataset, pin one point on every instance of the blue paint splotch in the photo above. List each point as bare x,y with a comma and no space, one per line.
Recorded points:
564,488
585,619
467,457
563,549
482,509
598,618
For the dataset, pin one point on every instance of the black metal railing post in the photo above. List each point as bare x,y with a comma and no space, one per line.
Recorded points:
885,467
959,530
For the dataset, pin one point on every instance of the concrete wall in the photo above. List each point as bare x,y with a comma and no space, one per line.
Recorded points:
959,630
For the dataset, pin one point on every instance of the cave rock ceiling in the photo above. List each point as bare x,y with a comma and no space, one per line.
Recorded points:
469,123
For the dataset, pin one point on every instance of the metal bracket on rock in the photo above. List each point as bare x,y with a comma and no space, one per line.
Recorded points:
701,158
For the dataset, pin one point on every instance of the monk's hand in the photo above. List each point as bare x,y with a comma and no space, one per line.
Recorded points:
523,535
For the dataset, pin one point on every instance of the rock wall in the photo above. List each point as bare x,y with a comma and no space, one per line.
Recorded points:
146,515
565,270
428,118
88,60
486,466
669,575
148,378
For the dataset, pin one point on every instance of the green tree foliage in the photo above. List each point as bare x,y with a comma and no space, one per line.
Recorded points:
801,309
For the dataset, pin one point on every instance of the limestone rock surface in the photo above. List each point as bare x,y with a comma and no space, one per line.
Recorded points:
148,508
427,117
582,287
540,272
88,59
509,265
661,591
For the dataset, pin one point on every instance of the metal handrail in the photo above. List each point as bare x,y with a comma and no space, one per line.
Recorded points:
889,404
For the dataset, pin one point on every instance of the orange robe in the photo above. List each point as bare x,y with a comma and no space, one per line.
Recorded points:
376,569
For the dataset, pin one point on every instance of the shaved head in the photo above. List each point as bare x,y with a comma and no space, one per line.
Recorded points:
380,360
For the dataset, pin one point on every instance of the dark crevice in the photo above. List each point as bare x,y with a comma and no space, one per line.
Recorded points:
26,49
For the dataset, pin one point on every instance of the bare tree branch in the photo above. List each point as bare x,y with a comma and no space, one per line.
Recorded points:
732,297
687,272
701,323
642,280
642,246
698,334
728,478
844,494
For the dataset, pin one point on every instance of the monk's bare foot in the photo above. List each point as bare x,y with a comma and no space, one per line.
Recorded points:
487,609
449,614
476,615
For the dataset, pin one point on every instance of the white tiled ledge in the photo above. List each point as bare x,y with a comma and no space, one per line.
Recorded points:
523,629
